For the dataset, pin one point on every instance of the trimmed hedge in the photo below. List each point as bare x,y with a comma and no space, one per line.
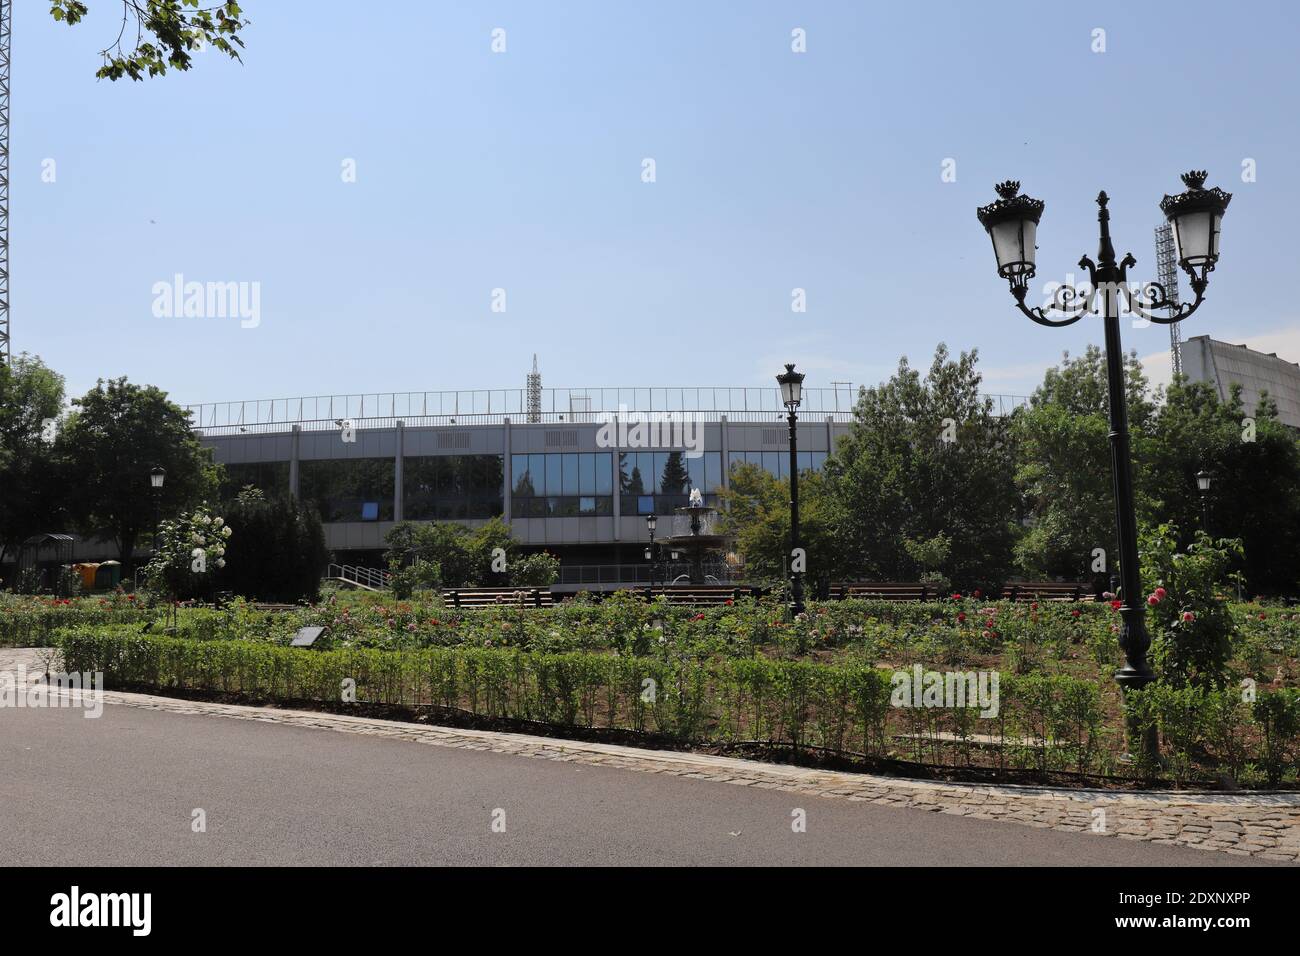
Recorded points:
842,708
1045,722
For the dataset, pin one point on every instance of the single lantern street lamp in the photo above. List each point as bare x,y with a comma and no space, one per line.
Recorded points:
1203,481
791,383
157,475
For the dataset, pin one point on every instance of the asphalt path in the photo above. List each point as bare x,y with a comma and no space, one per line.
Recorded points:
123,790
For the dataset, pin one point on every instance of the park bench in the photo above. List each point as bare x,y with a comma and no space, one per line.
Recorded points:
886,591
702,595
1047,591
498,597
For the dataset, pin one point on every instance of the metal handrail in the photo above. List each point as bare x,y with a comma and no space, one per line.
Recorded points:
370,577
558,405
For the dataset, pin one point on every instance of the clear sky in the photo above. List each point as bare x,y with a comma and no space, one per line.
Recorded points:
522,171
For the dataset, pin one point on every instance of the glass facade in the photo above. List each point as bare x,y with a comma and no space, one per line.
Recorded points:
354,489
459,487
272,477
656,482
445,487
777,463
561,485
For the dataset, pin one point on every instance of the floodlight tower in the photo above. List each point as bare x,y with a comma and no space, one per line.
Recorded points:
1167,273
534,393
6,15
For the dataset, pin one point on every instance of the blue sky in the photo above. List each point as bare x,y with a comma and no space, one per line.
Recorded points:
522,170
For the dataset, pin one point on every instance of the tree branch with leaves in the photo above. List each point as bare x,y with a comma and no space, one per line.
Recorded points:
167,34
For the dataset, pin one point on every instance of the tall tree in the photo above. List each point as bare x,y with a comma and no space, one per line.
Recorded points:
157,35
276,551
675,479
1255,463
116,435
1063,464
31,399
757,516
926,456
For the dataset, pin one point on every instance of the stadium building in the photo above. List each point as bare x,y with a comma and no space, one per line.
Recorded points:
572,471
1222,364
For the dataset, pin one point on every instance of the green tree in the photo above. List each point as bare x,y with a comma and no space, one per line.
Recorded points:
1063,464
277,552
1255,495
31,398
166,34
925,456
675,479
116,435
757,517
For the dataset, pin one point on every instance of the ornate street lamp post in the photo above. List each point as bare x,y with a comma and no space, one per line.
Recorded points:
651,555
791,383
1196,215
1203,480
157,475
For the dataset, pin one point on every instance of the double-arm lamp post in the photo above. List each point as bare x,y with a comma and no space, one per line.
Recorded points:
1195,215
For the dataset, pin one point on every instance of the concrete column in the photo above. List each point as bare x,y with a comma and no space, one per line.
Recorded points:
398,469
618,483
724,451
505,515
830,434
293,460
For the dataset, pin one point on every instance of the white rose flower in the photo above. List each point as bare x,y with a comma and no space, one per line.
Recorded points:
206,520
218,522
226,531
221,562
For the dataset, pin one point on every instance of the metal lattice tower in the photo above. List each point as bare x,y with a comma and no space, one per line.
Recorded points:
534,393
1167,275
6,13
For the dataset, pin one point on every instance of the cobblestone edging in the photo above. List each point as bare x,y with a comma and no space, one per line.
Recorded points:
1253,824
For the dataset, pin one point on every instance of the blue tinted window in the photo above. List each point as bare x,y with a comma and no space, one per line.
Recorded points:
569,473
604,473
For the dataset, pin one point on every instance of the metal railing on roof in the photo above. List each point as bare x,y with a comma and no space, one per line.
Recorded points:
559,405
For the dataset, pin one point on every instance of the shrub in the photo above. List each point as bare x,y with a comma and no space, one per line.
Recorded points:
1192,626
1278,714
191,551
277,552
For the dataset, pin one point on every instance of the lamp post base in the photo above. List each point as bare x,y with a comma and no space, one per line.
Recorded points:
1143,739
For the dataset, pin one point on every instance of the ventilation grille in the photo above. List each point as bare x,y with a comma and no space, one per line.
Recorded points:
562,439
775,436
453,439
